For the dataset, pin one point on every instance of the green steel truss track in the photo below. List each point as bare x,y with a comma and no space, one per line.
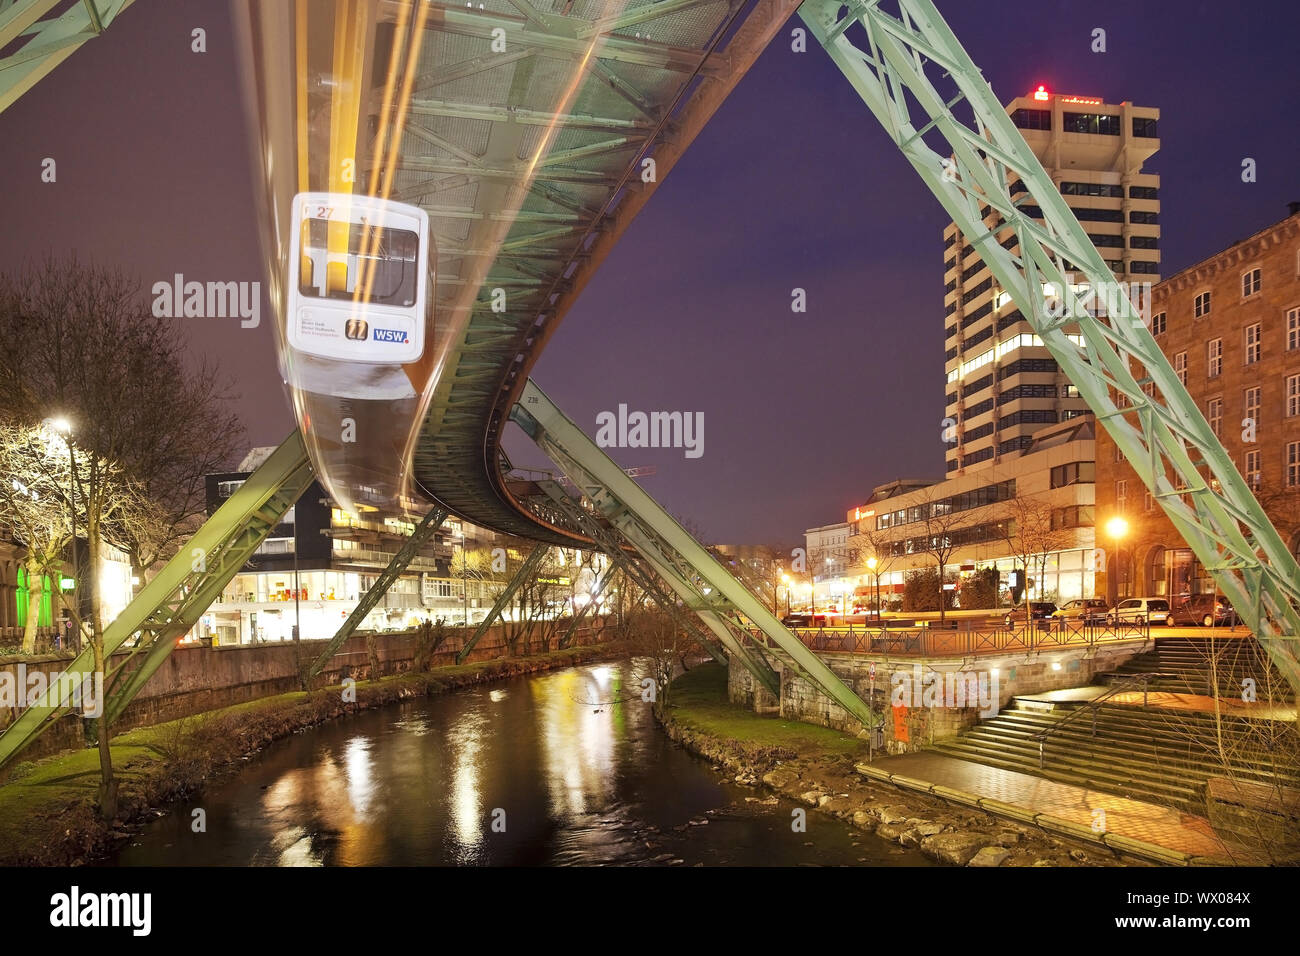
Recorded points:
172,602
525,572
710,590
427,527
658,72
612,544
912,73
48,41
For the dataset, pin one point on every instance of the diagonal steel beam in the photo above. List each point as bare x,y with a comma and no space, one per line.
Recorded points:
171,603
422,532
1164,435
662,540
612,544
526,570
49,42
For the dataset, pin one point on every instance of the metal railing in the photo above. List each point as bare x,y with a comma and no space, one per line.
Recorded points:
1093,706
965,641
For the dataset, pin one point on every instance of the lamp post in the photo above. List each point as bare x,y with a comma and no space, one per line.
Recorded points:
872,564
1117,528
786,578
64,427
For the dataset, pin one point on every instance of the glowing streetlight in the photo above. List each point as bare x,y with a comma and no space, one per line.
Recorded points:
786,579
1117,528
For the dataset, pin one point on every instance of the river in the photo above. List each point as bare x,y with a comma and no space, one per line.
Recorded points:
552,769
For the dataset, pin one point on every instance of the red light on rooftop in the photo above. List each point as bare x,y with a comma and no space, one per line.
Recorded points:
1041,93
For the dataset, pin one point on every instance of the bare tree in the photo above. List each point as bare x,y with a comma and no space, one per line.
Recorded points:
871,543
938,525
1031,531
82,343
34,506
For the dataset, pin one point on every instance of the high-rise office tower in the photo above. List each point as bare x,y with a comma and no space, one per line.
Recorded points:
1002,384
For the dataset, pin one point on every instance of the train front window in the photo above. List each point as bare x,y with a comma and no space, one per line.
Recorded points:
381,259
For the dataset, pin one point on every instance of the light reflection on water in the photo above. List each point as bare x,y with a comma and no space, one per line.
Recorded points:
571,772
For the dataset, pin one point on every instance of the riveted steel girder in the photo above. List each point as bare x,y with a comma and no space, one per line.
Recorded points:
49,41
173,601
428,525
679,558
911,71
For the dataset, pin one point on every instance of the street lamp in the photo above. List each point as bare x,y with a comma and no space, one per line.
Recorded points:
1117,528
64,427
786,579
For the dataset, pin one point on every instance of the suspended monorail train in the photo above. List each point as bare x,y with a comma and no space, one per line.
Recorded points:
358,324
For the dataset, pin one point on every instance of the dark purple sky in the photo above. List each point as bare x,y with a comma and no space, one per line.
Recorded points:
792,184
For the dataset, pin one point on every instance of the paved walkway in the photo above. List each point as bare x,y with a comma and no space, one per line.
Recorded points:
1167,700
1162,826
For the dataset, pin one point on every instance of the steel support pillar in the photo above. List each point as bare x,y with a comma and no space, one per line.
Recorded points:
49,42
911,71
612,544
423,531
170,604
665,544
594,598
526,570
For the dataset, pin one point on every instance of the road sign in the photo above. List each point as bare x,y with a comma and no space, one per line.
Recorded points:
871,670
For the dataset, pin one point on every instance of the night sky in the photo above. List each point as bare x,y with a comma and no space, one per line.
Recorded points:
792,184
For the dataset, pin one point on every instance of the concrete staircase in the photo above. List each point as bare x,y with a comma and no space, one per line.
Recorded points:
1161,756
1185,666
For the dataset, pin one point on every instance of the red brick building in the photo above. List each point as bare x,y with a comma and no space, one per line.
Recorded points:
1230,326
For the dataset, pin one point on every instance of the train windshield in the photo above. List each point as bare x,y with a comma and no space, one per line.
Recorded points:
382,260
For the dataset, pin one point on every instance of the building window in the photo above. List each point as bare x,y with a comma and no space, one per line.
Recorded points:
1143,192
1254,475
1214,358
1121,495
1180,366
1252,403
1148,502
1076,472
1159,323
1292,395
1137,217
1253,336
1144,266
1293,464
1144,126
1250,283
1293,329
1214,414
1098,124
1032,119
1144,242
1202,305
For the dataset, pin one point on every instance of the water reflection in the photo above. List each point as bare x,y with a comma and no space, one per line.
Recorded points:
572,759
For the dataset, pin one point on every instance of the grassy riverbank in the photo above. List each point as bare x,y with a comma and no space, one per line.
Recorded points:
48,812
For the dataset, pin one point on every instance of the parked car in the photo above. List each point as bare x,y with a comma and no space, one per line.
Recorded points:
1088,610
1143,610
1207,610
1038,611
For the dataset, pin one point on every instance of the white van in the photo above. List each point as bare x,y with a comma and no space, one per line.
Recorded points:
1143,610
